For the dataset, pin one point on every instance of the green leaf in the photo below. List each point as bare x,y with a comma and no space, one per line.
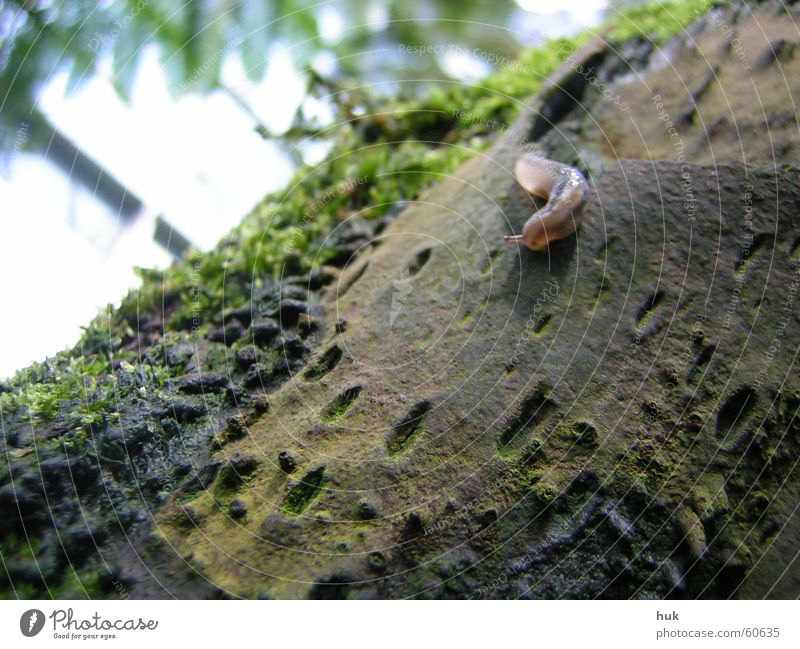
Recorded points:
126,52
256,30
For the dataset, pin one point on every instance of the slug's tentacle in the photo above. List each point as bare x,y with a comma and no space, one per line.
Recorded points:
566,191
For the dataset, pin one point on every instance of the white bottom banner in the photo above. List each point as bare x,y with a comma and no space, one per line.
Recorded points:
401,623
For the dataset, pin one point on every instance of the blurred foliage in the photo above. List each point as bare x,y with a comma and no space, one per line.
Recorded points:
639,20
39,38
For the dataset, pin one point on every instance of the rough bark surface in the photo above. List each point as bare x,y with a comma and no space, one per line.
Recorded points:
614,418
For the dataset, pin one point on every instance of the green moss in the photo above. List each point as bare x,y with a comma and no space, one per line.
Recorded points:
21,548
86,586
44,390
24,591
656,21
301,495
543,493
341,405
583,433
188,495
533,452
72,585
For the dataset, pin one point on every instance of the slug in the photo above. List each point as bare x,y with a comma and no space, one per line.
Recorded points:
566,191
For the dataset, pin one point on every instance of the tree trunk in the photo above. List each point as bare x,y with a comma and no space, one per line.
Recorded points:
615,417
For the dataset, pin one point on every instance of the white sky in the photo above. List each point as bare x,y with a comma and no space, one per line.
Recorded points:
197,161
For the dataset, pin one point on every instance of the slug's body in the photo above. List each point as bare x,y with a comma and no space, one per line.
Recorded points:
566,191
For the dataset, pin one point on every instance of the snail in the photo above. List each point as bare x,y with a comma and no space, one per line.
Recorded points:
566,191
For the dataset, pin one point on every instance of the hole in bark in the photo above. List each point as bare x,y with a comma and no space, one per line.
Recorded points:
794,247
420,259
602,254
489,264
584,433
405,429
542,325
735,411
535,409
647,309
566,95
705,355
341,404
355,276
746,255
303,493
325,364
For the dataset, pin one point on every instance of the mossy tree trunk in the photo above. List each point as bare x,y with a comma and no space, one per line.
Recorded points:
432,413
